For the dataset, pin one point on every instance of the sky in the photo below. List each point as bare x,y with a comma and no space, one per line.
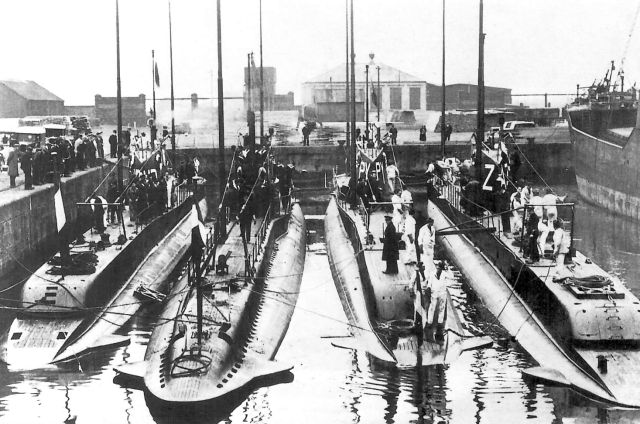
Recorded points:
68,46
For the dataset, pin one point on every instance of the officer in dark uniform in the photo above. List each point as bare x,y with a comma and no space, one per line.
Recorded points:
26,164
390,248
113,144
38,167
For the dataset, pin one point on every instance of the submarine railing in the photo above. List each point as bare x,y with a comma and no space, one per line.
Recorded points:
452,193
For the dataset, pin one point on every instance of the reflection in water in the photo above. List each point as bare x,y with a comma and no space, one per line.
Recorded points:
337,385
391,394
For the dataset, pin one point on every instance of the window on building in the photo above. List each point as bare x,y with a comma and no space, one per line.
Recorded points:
328,94
395,98
414,98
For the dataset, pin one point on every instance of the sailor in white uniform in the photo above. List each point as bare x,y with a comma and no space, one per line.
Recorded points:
426,242
392,175
408,229
561,243
437,304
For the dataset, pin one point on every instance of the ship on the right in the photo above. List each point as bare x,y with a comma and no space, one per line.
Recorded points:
605,137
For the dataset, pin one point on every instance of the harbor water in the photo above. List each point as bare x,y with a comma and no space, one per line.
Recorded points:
333,385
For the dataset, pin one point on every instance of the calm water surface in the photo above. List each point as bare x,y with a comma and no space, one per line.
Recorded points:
332,385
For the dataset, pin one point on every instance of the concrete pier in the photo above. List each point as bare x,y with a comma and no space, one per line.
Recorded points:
28,220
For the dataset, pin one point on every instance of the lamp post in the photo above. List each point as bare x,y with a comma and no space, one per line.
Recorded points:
366,104
442,123
378,99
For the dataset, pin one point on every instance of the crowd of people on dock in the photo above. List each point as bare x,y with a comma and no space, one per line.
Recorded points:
41,162
56,155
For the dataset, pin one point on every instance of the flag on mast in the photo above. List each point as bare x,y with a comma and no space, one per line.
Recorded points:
374,96
61,219
157,75
198,232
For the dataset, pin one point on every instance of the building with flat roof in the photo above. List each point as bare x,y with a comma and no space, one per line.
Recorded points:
465,97
25,98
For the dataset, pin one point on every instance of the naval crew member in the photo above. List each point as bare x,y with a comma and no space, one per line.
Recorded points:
390,248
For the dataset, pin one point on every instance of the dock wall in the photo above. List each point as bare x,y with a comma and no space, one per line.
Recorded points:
552,160
28,222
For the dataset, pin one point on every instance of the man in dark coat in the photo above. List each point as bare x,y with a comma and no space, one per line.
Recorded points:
98,214
448,129
393,132
305,135
113,143
26,164
189,171
90,152
390,248
112,196
12,162
126,141
532,237
38,167
99,145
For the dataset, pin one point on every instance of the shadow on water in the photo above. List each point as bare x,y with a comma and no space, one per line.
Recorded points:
212,411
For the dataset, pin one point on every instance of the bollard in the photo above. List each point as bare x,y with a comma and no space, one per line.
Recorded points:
602,364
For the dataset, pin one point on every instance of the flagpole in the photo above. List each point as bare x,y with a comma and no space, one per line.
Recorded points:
153,82
366,102
248,83
119,100
221,171
173,121
442,124
353,111
261,83
480,113
153,132
378,97
347,93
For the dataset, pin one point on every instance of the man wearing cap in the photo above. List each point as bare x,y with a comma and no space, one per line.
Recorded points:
113,143
390,248
99,145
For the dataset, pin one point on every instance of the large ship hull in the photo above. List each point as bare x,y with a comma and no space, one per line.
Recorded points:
605,164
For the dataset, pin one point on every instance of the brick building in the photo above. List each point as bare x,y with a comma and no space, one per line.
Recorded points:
133,110
465,97
272,101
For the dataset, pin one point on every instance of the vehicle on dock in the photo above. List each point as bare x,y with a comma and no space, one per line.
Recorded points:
94,274
605,138
225,320
388,313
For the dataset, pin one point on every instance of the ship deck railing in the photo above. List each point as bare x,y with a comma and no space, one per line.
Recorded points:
451,191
